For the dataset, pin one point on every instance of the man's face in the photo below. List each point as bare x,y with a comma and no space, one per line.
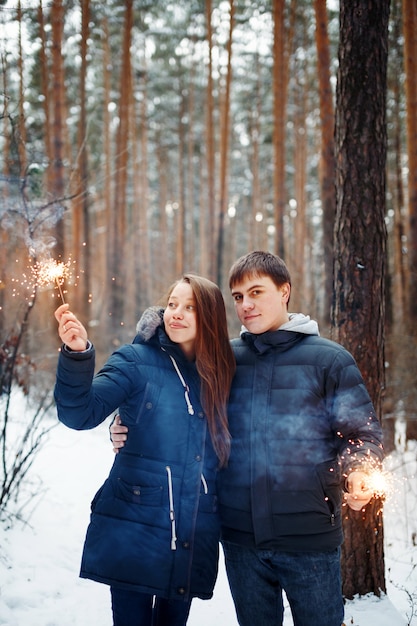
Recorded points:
260,305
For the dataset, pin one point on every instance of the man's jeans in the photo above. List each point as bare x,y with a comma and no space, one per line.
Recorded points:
140,609
311,581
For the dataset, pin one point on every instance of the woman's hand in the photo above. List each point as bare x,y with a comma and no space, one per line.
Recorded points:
70,329
118,434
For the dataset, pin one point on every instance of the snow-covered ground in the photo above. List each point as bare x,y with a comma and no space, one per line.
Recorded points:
39,562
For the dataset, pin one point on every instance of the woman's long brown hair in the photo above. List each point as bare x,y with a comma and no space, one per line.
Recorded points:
215,361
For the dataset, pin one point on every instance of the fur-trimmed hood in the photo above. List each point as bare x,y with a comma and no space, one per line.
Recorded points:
151,319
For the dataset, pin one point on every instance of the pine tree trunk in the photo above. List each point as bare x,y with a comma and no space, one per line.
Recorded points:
280,75
256,228
207,216
300,243
118,222
327,160
360,243
58,132
102,240
224,150
397,299
23,163
80,206
410,63
180,213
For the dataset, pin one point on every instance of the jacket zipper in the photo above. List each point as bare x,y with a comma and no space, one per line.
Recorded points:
171,509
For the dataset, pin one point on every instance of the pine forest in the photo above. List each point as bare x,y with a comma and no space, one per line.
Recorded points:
141,139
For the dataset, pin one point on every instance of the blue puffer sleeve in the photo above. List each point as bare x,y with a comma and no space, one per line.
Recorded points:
84,401
354,419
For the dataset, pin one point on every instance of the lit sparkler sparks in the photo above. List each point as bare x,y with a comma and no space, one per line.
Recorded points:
380,482
52,271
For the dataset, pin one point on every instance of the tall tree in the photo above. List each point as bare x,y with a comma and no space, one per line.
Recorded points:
143,248
299,243
45,90
207,217
118,214
192,248
410,63
327,159
360,244
23,161
224,149
181,210
256,230
103,217
58,131
397,294
280,76
80,206
5,171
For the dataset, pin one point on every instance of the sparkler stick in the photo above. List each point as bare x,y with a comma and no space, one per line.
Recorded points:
60,290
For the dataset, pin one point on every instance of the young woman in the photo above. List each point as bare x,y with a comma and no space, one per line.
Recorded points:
154,529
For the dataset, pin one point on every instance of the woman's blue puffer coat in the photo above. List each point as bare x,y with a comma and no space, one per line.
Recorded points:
154,525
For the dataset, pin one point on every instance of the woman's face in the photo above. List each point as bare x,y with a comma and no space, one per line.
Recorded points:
180,318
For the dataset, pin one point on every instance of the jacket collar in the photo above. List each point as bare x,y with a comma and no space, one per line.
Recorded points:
279,339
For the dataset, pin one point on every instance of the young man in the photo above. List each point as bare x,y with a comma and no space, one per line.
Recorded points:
302,427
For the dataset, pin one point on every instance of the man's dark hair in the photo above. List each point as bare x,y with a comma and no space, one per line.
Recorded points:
259,263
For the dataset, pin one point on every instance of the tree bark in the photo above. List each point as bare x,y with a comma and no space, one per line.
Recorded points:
397,298
46,92
327,159
410,63
360,243
279,78
80,204
22,135
224,150
207,216
58,119
119,212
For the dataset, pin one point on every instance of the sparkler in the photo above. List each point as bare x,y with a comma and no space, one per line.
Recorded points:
51,271
381,482
374,479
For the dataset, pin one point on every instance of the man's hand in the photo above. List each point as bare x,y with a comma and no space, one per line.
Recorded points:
70,329
118,434
359,492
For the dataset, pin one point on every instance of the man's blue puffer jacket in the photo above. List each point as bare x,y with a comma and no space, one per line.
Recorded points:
154,524
300,418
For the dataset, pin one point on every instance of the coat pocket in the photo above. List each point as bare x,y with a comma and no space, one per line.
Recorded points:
138,494
330,478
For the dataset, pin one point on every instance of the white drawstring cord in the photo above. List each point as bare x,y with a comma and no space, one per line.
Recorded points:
168,469
184,384
171,510
205,485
